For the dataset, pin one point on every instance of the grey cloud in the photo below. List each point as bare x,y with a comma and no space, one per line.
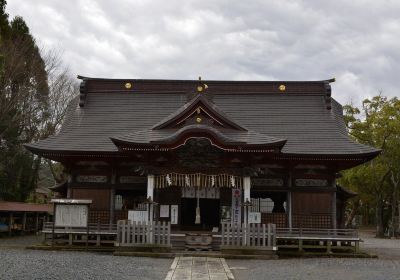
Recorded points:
356,41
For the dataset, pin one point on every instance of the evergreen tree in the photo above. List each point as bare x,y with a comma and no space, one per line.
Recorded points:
23,103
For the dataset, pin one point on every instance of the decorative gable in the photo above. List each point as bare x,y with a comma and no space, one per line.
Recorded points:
199,111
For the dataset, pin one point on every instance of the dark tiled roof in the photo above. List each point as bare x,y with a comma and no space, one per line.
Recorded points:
298,115
25,207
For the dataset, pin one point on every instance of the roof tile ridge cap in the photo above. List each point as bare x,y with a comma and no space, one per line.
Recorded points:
82,92
335,117
72,107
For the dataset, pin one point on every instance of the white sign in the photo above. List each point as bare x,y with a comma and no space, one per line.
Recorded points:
138,216
164,211
174,214
71,215
254,217
236,206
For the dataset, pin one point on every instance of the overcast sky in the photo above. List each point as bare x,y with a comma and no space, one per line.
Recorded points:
356,41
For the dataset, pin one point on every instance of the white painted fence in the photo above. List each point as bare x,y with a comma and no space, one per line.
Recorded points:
255,235
135,233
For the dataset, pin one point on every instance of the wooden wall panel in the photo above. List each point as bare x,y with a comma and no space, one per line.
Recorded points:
100,197
311,203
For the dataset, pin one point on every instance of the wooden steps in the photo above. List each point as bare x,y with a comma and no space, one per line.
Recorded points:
178,242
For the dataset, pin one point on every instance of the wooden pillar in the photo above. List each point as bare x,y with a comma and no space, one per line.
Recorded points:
69,193
334,221
289,201
246,197
150,195
333,207
37,222
112,196
112,205
10,223
23,222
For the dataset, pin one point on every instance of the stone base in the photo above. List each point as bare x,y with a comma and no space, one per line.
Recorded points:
247,250
146,248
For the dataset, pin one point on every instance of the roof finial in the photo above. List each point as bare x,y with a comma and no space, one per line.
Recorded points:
201,86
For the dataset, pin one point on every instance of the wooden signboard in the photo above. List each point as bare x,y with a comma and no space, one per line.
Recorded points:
236,206
174,214
254,217
164,211
71,215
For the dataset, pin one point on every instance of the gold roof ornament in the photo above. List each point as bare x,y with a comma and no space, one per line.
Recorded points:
282,87
128,85
198,120
201,86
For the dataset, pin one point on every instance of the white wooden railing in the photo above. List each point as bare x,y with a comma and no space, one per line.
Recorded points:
253,235
135,233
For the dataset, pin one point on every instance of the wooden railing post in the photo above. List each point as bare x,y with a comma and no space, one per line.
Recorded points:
263,235
223,233
245,234
274,235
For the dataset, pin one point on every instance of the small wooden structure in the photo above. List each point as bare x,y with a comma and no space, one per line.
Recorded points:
23,217
71,224
95,234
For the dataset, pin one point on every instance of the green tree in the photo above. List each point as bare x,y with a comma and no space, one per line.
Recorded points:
23,105
35,89
377,124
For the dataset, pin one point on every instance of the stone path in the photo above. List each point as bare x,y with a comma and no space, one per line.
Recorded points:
199,268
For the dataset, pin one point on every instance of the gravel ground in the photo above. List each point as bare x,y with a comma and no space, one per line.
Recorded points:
316,268
385,248
17,263
386,267
31,264
20,241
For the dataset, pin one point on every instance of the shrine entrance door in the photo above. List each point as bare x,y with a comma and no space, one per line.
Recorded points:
209,214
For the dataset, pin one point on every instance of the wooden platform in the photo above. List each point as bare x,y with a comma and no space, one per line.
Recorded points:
318,239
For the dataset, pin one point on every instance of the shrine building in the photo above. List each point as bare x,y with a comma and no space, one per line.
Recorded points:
197,152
